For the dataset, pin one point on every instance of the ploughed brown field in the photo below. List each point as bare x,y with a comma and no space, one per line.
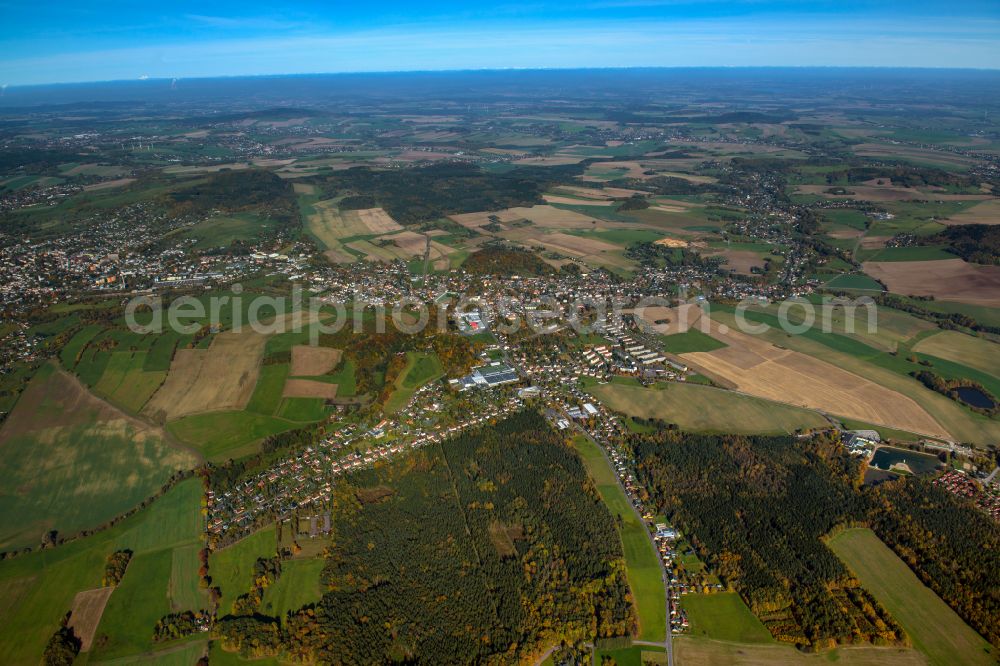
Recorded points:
308,360
88,607
945,279
759,368
308,388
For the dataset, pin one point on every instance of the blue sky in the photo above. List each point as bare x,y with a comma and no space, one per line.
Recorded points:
49,42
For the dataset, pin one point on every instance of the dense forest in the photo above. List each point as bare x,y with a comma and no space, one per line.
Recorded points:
757,510
252,190
976,243
505,261
953,547
488,548
422,194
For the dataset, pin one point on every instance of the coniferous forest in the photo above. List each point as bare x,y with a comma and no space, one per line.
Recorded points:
487,548
757,509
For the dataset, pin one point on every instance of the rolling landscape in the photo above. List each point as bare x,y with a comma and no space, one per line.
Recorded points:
572,364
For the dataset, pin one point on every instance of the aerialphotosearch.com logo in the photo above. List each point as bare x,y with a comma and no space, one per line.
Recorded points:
505,313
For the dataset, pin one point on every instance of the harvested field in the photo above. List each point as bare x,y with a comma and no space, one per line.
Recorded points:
691,177
85,615
740,261
326,224
570,201
542,216
573,245
108,184
304,188
384,250
945,279
672,242
375,220
874,242
409,241
846,234
221,377
339,256
308,388
667,321
987,212
761,369
312,361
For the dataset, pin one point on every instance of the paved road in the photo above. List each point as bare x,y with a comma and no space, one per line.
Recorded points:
668,644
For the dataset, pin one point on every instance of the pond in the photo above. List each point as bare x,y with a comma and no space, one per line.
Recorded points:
918,463
975,397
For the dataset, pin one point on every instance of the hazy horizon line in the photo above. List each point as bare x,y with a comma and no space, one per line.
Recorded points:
144,79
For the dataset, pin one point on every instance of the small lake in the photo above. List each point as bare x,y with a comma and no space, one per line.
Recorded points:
975,397
919,463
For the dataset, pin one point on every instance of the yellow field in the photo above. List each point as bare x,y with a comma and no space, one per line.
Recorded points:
935,629
325,224
977,353
375,220
221,377
759,368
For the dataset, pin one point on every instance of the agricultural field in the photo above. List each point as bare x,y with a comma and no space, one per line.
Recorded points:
761,369
125,382
184,591
232,567
978,353
692,651
891,372
223,231
73,461
987,212
935,629
723,616
946,279
641,560
222,435
88,607
45,582
219,378
691,340
297,587
697,408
